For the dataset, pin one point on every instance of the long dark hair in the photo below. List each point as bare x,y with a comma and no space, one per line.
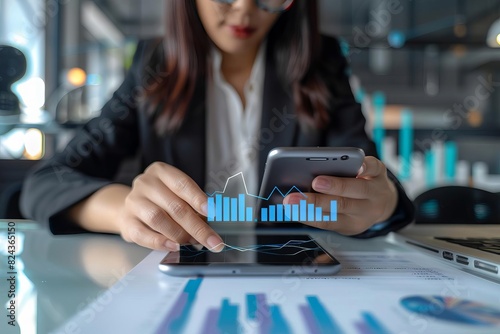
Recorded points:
295,43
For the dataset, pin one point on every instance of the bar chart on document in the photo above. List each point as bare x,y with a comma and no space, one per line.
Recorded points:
375,293
223,208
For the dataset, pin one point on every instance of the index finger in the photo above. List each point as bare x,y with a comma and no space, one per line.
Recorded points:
184,187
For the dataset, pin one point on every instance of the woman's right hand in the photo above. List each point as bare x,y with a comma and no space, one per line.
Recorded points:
162,211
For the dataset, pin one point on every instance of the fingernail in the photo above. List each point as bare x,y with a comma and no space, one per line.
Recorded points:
362,169
204,209
322,184
215,243
172,246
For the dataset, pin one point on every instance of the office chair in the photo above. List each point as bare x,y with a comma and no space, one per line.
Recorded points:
12,69
457,205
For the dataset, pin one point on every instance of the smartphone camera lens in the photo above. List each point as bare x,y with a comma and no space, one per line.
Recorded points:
344,157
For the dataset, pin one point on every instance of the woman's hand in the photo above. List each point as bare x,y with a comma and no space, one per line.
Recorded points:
162,211
361,202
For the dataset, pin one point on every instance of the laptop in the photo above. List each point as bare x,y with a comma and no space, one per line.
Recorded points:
473,248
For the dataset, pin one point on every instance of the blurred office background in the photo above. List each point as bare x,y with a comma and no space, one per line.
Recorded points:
426,72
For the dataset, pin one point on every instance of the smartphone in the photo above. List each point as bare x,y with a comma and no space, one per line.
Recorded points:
253,254
292,169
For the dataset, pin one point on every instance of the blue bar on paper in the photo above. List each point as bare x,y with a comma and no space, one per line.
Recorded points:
234,209
406,144
263,214
225,209
326,218
218,207
303,210
278,321
241,208
272,213
228,318
249,214
192,287
430,169
288,212
310,212
373,324
378,126
295,212
211,209
450,160
333,211
279,213
323,320
252,306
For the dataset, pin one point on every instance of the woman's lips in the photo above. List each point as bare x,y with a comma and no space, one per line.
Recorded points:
242,32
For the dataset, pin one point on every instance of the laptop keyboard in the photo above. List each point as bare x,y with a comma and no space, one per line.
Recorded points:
490,245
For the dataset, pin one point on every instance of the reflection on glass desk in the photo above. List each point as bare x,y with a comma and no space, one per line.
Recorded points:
56,276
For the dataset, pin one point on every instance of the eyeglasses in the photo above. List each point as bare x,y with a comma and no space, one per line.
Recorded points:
271,6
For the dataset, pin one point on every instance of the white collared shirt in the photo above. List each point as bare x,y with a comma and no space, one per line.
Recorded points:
233,131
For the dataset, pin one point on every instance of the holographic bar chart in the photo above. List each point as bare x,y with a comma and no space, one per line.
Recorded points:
227,209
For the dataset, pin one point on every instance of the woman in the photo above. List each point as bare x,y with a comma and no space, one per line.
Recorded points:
194,106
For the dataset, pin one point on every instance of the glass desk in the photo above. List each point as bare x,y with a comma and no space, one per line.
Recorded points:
56,276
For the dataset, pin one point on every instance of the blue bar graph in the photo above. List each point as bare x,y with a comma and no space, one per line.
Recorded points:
378,126
450,160
228,319
333,211
322,318
211,209
263,214
272,213
279,215
225,209
218,208
228,209
234,209
310,212
303,210
241,209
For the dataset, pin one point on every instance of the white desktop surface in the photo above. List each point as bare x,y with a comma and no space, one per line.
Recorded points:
92,283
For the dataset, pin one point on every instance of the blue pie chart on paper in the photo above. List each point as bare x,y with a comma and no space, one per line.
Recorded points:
453,310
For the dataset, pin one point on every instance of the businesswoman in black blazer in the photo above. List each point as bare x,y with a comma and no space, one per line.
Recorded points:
229,81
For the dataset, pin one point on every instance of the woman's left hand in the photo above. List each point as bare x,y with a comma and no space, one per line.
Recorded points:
361,202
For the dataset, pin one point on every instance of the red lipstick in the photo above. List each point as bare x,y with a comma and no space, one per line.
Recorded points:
242,32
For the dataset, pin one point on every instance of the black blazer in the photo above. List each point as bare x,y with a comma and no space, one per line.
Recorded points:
92,158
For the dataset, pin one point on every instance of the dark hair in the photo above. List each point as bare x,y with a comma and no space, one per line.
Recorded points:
294,41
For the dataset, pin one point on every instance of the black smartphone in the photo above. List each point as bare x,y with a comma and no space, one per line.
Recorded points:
253,254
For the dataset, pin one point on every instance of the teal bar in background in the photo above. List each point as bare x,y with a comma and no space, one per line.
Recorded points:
211,209
303,210
450,160
225,209
310,212
406,144
234,209
378,126
333,211
218,207
279,213
241,208
430,169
